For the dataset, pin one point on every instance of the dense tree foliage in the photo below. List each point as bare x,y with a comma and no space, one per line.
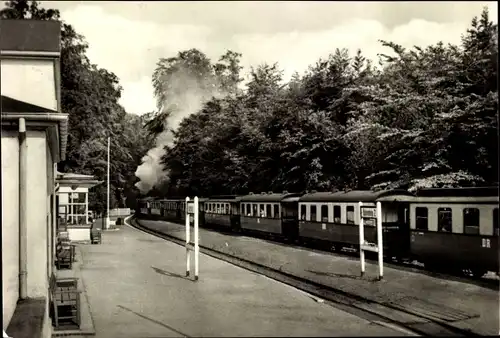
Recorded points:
425,117
90,95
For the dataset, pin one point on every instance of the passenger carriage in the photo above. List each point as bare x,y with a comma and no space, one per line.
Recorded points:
223,211
201,210
262,212
290,217
145,206
334,217
456,228
155,209
170,210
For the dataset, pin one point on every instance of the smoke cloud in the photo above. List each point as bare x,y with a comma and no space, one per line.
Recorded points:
184,95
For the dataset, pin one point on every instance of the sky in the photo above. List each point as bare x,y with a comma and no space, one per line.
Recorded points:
128,38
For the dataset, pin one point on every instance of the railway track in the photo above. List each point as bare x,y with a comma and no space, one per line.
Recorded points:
412,321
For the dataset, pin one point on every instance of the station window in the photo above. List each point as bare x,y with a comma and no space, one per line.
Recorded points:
350,214
495,222
276,211
313,213
337,211
303,212
324,213
254,210
268,210
471,221
444,220
421,218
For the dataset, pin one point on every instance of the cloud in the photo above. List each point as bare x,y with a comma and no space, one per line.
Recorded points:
131,48
130,45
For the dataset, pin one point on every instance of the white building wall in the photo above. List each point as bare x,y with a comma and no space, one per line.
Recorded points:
10,224
37,214
37,75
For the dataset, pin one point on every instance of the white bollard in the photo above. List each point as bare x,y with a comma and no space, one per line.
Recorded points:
361,239
188,258
196,246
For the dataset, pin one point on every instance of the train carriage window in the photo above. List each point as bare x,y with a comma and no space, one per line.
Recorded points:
249,210
242,207
254,210
276,211
471,221
350,214
324,213
337,212
421,218
262,210
303,212
313,213
227,208
444,219
268,210
495,222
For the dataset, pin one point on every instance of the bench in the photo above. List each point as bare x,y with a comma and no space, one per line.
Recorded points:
65,253
65,301
95,236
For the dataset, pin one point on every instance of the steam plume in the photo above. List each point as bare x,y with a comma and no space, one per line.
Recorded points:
184,94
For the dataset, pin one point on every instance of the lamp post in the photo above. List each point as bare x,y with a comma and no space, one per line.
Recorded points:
107,204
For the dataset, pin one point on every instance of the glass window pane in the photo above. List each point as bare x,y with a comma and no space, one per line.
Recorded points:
444,219
276,211
421,218
471,220
350,214
303,212
324,213
336,213
313,213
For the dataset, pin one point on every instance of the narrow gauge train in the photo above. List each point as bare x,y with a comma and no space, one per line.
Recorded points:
453,227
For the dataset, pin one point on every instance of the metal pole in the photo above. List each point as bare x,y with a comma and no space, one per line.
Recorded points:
87,207
188,260
380,241
196,247
23,217
107,204
361,239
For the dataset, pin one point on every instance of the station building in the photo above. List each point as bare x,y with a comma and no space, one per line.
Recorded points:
73,204
34,136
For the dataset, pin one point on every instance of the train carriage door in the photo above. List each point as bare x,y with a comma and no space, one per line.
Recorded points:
403,223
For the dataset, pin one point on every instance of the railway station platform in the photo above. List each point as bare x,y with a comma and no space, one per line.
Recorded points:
462,304
136,287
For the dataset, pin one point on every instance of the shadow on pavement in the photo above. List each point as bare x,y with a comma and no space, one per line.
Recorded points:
340,275
153,320
169,274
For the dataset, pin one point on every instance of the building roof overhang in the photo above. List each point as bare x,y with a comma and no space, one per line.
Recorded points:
76,180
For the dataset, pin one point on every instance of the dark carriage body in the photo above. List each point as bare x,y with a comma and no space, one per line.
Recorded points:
456,228
334,217
223,212
262,212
